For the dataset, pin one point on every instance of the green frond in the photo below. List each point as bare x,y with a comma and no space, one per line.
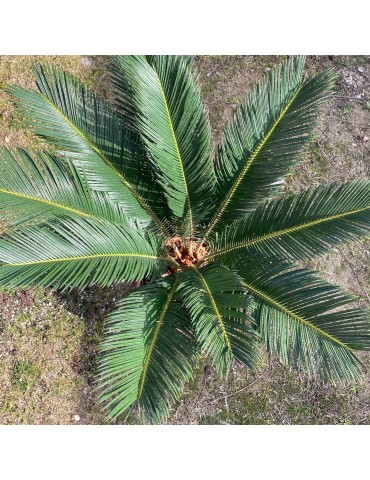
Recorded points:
76,253
264,139
148,352
37,186
305,320
165,100
299,226
123,93
219,310
188,60
74,120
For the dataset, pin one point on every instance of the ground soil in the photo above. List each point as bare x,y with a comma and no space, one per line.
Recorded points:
48,341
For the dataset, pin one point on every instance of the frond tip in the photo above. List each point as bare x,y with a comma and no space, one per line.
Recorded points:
305,320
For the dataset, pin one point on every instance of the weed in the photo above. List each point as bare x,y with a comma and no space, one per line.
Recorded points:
25,374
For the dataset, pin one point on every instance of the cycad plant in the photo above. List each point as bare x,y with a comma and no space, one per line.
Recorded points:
133,190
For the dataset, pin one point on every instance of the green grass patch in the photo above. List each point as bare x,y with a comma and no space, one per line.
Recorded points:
25,374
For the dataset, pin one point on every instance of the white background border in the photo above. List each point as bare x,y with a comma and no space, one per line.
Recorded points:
184,27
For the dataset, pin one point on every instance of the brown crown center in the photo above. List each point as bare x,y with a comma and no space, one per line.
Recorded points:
185,251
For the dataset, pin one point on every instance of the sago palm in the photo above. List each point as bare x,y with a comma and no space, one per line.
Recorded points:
132,190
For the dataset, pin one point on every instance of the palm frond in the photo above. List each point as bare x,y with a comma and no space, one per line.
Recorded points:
77,252
165,100
218,306
148,352
73,119
300,226
303,320
123,93
36,186
264,139
188,60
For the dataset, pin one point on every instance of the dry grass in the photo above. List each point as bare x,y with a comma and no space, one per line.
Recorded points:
48,342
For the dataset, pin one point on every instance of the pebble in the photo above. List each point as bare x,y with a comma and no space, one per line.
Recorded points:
365,139
76,418
86,61
7,139
360,69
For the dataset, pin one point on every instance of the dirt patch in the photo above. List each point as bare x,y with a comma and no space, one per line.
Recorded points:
225,79
39,341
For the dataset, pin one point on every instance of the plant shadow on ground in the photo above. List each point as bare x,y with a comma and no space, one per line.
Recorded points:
91,305
273,396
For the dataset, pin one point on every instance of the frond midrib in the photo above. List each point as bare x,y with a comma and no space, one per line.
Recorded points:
292,314
181,164
154,339
214,306
139,198
48,202
284,231
247,166
84,257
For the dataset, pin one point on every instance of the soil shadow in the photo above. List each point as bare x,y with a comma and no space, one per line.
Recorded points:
92,305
